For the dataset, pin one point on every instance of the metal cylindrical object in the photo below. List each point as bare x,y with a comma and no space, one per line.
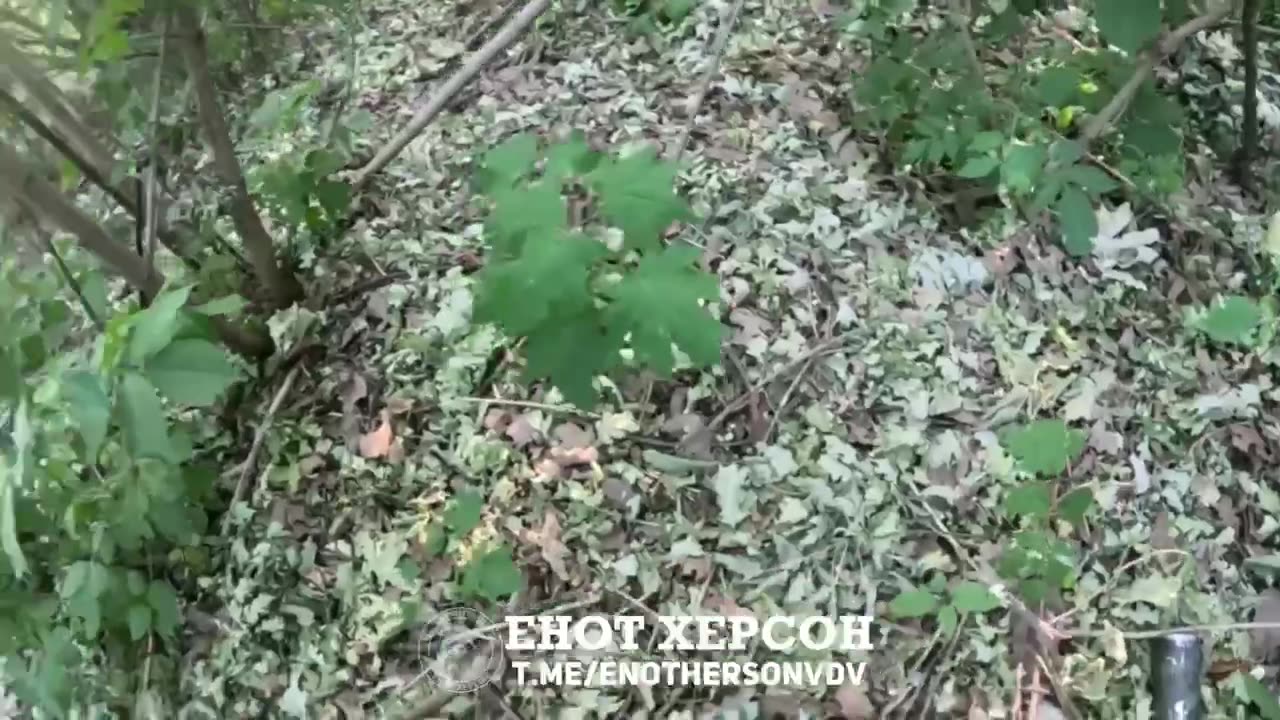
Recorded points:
1177,664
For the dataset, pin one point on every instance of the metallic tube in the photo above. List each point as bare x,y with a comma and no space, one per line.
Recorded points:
1177,662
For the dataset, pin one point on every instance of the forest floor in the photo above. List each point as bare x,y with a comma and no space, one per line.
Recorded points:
875,350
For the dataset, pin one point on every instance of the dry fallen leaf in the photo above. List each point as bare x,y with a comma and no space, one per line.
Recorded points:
854,703
521,431
548,468
726,606
571,435
575,456
1264,643
547,538
496,420
377,443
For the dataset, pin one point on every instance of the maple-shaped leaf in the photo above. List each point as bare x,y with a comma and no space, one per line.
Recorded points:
569,158
547,279
571,350
521,212
637,195
658,305
508,162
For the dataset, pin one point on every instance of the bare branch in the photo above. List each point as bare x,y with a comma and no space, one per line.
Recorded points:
1099,123
717,54
277,279
123,193
507,35
40,198
54,104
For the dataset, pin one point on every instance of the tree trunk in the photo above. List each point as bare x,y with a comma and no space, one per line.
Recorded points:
277,279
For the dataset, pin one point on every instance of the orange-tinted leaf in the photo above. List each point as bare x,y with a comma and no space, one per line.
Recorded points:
377,443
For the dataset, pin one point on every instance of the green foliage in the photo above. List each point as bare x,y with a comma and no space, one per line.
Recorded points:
1261,696
966,598
1233,320
87,530
1016,132
1036,558
579,302
489,572
1044,447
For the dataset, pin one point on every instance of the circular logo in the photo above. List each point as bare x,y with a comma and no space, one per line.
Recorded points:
462,650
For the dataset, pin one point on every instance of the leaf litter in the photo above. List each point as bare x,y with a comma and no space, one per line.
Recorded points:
842,502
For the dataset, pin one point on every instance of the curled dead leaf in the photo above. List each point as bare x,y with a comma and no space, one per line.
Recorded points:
521,431
377,443
854,703
547,538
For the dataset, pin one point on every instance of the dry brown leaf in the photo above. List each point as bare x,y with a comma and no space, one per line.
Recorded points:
396,454
697,567
575,456
377,443
547,538
1264,643
548,467
572,435
726,606
496,420
1247,440
521,431
854,703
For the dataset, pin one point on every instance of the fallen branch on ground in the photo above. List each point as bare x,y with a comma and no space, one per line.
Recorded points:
717,55
507,35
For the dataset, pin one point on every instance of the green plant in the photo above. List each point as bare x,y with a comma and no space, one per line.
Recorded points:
966,597
1037,559
578,300
1035,134
1231,320
99,491
489,572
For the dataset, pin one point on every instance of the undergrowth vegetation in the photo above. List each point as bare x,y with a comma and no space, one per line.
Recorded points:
747,380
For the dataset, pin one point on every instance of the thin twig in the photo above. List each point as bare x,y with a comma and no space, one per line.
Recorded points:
1116,576
717,55
67,277
469,70
256,448
821,349
531,405
1149,634
786,398
1099,123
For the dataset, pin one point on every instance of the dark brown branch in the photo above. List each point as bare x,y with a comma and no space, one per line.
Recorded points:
40,198
123,193
277,279
55,105
1248,148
